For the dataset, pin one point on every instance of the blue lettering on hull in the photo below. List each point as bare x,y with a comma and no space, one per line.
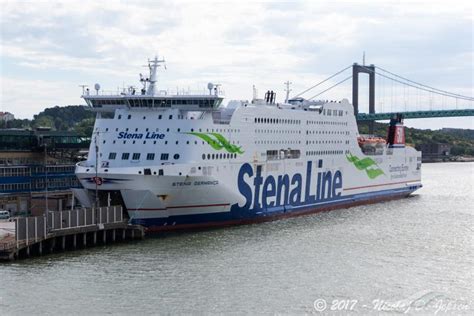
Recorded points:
148,135
265,193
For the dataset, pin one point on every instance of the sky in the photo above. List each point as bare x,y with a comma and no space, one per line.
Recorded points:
50,48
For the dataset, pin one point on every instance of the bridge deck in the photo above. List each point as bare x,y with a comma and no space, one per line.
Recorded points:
414,114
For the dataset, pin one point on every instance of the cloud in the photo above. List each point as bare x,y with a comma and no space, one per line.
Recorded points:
236,43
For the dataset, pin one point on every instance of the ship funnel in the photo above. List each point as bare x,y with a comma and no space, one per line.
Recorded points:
396,132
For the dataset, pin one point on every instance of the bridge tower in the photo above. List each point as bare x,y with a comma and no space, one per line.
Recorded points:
370,70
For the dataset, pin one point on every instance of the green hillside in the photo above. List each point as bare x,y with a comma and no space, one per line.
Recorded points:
461,140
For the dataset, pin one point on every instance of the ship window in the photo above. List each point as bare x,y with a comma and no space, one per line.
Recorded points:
171,117
119,117
176,156
150,156
136,156
203,156
272,154
125,156
112,156
164,156
159,117
129,116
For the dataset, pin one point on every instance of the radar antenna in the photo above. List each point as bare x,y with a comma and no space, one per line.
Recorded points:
83,86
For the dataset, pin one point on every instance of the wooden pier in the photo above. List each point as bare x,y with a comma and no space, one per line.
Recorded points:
67,230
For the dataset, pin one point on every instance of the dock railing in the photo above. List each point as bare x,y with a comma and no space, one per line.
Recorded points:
32,229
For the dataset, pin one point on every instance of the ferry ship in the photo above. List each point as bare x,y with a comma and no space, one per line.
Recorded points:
186,161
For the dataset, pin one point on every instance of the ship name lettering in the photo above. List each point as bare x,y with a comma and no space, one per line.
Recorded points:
148,135
273,191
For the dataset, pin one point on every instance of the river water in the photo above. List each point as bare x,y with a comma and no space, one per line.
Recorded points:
414,255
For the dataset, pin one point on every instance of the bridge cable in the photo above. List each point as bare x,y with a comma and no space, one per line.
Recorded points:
420,88
423,85
344,80
337,73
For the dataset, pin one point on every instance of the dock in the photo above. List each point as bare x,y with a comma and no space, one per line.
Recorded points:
66,230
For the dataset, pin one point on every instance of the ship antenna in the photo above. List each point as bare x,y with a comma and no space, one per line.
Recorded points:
287,84
83,86
153,66
255,93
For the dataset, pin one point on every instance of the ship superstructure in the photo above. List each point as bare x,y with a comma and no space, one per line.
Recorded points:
185,160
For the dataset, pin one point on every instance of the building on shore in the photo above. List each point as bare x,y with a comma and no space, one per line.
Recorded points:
6,116
37,170
435,151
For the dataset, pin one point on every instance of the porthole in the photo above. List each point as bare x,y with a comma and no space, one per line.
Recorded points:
176,156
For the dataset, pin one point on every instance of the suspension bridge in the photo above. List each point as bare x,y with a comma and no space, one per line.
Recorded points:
395,94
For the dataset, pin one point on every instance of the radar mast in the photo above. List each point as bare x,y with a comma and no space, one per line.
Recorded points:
153,66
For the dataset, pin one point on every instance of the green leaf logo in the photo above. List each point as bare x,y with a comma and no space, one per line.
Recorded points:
218,142
367,164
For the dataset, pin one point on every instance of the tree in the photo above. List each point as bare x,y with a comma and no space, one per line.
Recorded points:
43,121
85,127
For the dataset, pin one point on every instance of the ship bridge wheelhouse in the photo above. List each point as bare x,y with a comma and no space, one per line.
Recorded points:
99,103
